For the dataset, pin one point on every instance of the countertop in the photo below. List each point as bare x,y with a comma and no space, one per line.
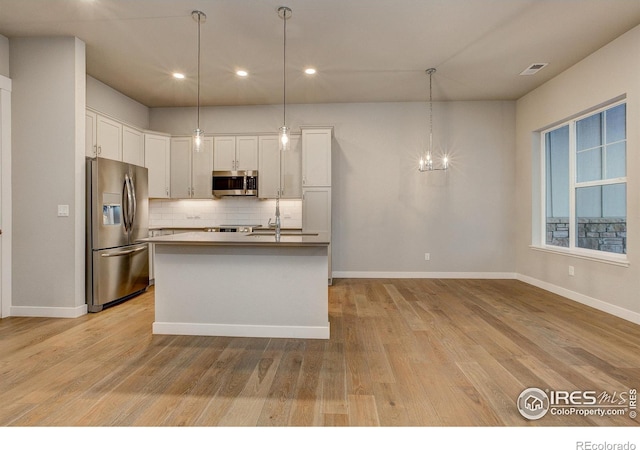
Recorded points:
256,239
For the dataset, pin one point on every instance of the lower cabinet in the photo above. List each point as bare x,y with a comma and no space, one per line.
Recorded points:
316,214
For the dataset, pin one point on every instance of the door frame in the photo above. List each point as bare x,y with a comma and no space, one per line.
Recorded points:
5,196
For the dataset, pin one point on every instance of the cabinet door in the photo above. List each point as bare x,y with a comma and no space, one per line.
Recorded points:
316,157
181,167
224,153
316,210
247,153
291,170
268,167
157,158
132,146
109,138
91,146
201,168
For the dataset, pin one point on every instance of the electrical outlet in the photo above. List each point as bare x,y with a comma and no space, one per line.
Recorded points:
427,256
572,271
63,210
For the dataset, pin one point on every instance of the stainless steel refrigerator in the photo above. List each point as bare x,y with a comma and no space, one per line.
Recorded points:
117,217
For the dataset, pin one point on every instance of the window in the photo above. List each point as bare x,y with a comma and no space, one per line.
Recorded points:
585,184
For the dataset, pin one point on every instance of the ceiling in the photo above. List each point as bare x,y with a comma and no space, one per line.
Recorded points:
364,50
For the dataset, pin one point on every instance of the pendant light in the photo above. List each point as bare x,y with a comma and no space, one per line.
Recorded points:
426,161
198,134
284,142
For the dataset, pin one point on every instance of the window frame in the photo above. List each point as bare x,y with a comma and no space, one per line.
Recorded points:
573,249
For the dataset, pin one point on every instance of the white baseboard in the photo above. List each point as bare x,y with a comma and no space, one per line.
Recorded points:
48,311
468,275
214,329
617,311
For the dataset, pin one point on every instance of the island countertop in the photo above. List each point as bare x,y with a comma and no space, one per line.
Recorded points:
261,238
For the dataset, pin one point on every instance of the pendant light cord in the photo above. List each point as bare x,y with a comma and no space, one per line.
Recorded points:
199,21
430,72
284,72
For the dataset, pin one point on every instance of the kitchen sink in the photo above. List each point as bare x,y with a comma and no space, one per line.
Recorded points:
282,233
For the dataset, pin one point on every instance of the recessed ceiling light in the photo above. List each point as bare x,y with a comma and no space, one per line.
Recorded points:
179,76
242,73
310,71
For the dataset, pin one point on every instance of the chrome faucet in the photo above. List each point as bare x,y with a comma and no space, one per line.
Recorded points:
277,224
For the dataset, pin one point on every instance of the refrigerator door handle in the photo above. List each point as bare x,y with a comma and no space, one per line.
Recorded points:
134,204
127,200
125,206
123,252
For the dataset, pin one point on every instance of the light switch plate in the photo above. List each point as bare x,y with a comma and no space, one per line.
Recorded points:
63,210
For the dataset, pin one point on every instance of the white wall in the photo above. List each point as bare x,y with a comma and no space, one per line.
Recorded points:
386,214
4,56
108,101
48,103
610,72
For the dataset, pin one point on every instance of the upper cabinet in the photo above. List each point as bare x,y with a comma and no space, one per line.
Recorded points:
132,146
91,144
235,153
157,159
108,138
316,156
111,139
191,171
279,173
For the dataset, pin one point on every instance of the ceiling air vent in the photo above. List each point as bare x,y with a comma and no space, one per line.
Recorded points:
533,68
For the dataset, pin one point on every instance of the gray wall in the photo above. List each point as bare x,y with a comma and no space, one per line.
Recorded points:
108,101
4,56
386,214
610,72
48,102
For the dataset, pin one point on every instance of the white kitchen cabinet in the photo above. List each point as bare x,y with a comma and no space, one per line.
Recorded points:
157,159
316,210
235,153
91,144
316,156
316,215
132,146
268,167
108,138
201,168
279,170
316,182
191,171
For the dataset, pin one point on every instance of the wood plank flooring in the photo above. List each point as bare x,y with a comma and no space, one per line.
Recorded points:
403,352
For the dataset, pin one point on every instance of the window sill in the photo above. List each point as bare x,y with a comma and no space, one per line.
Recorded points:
620,261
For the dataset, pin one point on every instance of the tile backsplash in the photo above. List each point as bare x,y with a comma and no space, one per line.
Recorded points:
225,211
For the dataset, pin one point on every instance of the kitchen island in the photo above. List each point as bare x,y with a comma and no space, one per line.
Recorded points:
237,284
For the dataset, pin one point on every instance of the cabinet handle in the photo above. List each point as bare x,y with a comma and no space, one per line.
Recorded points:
99,149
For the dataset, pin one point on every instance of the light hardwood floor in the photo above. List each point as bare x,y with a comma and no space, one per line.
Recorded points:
401,353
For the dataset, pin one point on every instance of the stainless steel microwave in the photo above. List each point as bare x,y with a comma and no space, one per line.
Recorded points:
234,183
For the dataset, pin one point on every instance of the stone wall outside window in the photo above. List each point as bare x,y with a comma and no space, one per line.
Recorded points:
595,233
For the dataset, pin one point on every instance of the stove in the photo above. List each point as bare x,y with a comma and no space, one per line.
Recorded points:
237,228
